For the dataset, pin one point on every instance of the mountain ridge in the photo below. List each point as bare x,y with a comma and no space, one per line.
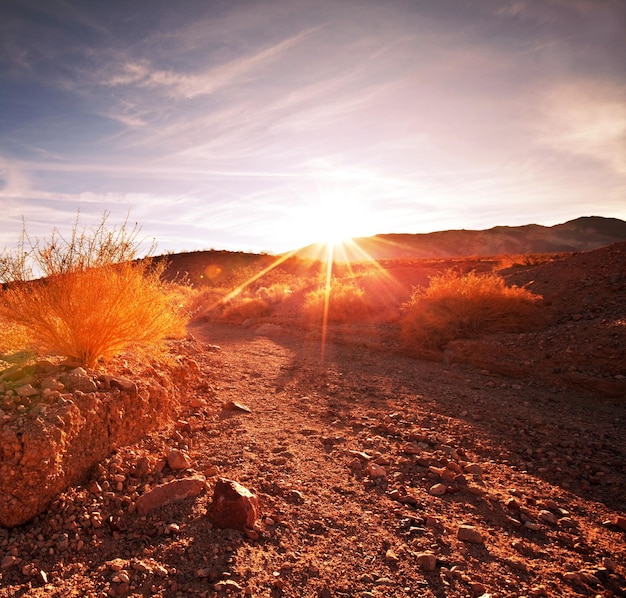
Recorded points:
581,234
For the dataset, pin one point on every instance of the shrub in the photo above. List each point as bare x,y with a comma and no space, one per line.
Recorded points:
242,309
93,300
275,293
200,303
464,306
343,301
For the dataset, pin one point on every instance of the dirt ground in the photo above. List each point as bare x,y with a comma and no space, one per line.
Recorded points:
378,475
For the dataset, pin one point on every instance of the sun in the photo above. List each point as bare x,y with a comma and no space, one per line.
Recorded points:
335,207
335,219
334,231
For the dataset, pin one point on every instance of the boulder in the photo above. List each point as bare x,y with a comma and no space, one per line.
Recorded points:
168,493
233,506
177,460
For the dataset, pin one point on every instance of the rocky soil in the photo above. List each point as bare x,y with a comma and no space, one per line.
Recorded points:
376,474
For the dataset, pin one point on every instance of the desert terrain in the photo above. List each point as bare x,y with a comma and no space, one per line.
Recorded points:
494,467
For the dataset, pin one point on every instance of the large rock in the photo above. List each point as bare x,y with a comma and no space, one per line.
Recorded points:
234,506
469,533
58,442
168,493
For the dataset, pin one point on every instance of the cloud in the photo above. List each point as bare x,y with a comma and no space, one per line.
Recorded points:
14,181
188,86
586,118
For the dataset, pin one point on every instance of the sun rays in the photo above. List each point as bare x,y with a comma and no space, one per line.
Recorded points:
345,281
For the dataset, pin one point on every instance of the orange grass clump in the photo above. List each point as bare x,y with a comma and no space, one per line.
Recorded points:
456,306
343,302
245,308
86,306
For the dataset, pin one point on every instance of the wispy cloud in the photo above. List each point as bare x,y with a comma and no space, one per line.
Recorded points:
191,85
587,119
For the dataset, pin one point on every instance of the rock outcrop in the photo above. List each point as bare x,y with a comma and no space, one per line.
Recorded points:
52,436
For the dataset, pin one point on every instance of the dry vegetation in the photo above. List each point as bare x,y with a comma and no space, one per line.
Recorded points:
87,298
339,301
449,299
457,306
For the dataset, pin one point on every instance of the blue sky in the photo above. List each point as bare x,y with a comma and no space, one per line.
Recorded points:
267,125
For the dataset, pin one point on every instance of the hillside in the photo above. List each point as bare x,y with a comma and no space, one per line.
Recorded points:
581,234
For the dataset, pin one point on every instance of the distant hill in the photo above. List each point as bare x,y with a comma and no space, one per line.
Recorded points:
581,234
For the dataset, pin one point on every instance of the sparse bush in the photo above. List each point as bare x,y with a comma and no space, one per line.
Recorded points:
199,303
275,293
463,306
93,300
345,302
242,309
525,260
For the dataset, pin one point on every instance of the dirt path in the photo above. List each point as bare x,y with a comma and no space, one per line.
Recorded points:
348,458
545,451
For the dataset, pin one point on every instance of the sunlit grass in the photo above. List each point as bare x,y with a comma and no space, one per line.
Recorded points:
340,301
465,306
241,309
89,307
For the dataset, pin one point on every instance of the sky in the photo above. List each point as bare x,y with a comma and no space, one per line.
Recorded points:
267,125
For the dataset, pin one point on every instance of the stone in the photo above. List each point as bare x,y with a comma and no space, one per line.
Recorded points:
235,406
359,454
474,468
294,496
427,561
468,533
447,475
51,384
478,589
269,330
548,517
620,521
355,465
124,385
438,489
227,585
8,561
77,379
233,506
391,556
141,467
26,391
177,460
568,523
376,471
169,492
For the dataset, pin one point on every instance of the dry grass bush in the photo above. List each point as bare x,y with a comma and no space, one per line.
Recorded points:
13,340
240,309
275,293
503,262
464,306
93,300
200,303
346,302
